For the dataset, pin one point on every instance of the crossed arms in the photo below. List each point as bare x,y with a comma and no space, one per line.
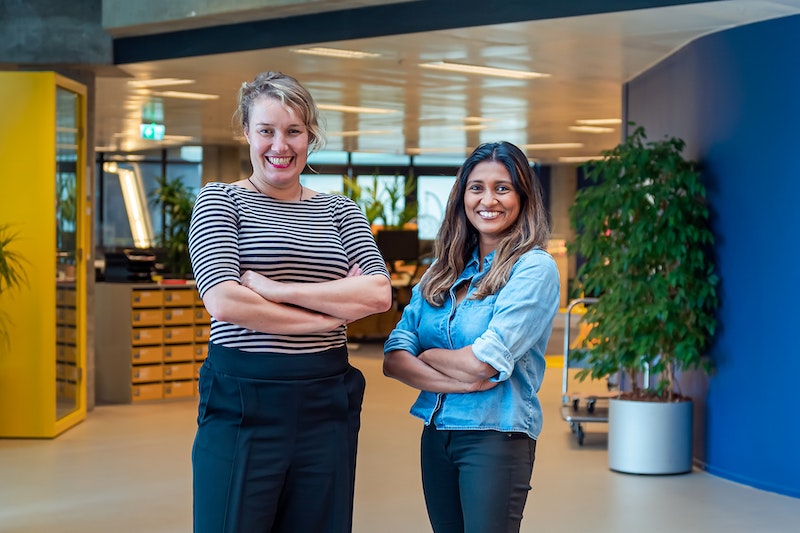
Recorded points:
440,370
269,306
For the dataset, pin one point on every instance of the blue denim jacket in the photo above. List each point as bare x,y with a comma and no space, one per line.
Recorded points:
508,330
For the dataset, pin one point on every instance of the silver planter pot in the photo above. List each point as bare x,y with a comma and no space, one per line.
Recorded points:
650,437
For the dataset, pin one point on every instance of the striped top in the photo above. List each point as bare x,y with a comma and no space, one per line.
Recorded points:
234,229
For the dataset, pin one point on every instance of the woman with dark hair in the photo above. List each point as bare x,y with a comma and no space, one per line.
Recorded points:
472,340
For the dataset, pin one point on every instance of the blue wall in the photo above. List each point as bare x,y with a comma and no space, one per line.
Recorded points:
735,98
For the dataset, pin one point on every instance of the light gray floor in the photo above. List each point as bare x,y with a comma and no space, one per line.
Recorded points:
126,469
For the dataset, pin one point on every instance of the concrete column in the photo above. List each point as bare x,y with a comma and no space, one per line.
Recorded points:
43,32
563,185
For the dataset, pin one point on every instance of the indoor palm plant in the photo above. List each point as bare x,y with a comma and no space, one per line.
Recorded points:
643,232
12,274
176,203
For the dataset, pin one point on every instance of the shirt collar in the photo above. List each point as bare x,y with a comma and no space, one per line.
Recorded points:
472,264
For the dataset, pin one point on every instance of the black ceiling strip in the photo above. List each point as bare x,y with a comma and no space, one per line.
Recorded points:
360,23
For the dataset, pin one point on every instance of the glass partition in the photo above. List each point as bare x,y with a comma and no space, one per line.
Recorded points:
68,371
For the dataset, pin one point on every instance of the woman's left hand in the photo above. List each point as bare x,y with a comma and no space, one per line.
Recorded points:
263,286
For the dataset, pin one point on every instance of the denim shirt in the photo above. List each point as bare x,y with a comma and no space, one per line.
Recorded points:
508,330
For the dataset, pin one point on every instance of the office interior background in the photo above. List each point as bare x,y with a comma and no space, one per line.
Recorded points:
721,75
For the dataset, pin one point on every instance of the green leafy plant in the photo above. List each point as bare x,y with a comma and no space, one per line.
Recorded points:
642,227
395,217
12,273
384,204
365,197
176,203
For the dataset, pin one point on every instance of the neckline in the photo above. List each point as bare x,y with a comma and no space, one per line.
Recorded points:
250,179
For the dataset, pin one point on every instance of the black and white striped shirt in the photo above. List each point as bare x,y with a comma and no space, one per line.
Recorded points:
234,229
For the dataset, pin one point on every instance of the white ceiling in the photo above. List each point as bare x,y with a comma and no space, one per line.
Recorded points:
588,59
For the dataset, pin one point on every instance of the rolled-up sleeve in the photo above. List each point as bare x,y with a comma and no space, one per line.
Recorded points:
523,314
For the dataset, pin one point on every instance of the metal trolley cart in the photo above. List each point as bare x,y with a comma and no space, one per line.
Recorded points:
579,409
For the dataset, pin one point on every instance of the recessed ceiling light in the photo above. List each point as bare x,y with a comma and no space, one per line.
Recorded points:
334,52
553,146
485,71
470,127
159,82
578,158
187,96
176,138
591,129
478,119
355,109
454,150
357,133
599,121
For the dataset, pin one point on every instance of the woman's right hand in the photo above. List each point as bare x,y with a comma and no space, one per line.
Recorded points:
482,385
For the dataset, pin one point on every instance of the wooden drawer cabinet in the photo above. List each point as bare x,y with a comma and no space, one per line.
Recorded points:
178,335
178,298
150,341
150,391
141,355
179,389
179,352
179,316
147,298
147,373
147,336
147,317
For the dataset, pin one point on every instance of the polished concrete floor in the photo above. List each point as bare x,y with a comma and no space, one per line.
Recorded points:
126,469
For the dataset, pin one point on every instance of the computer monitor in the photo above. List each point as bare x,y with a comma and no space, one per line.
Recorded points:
398,244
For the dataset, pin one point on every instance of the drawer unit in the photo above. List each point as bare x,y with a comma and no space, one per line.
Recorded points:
147,317
150,341
142,355
179,316
149,391
180,389
179,352
147,373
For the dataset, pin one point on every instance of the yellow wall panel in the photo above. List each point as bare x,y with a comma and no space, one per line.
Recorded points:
27,203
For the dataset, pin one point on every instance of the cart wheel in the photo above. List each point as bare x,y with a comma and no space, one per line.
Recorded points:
575,403
590,406
573,427
580,435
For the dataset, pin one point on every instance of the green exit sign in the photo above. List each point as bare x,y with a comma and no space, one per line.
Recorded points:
152,131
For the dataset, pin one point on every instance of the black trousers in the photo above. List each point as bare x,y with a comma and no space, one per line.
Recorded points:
275,449
476,481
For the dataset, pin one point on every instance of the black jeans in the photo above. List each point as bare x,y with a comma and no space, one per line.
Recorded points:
476,481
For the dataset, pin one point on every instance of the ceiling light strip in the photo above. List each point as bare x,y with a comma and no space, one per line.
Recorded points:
356,109
335,52
484,71
186,96
553,146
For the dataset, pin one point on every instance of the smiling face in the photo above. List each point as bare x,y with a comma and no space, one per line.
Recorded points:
278,141
492,205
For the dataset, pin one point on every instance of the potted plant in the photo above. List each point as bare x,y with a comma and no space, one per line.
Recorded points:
176,202
642,228
12,274
397,238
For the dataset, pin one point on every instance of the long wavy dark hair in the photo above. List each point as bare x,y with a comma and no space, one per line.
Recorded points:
457,237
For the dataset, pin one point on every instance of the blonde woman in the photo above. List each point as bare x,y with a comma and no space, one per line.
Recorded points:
281,269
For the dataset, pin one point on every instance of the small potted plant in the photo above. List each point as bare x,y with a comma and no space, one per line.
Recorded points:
12,274
642,229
